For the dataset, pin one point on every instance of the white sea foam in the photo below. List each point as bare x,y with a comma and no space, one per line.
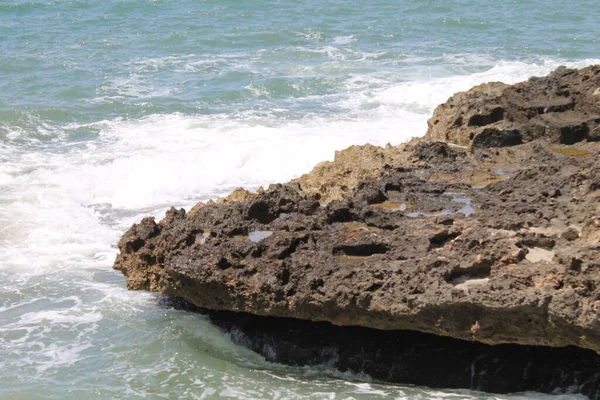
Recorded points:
57,317
344,39
310,34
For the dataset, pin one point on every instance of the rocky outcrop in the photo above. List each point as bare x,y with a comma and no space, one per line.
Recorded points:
563,107
494,244
336,180
423,249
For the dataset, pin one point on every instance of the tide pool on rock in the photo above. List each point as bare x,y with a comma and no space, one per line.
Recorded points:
114,110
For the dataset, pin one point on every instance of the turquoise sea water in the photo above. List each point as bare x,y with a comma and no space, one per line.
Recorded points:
111,110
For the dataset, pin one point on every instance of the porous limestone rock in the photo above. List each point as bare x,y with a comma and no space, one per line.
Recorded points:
494,242
563,107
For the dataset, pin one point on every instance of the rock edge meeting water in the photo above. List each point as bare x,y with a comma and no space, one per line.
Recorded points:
114,110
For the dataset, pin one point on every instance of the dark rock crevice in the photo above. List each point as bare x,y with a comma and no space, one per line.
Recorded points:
494,115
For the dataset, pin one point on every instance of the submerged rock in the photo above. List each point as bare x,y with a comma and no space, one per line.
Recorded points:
497,244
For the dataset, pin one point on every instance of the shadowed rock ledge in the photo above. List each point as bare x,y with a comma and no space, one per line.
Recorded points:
496,242
417,358
410,357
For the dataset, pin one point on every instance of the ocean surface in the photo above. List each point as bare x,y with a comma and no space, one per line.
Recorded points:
111,110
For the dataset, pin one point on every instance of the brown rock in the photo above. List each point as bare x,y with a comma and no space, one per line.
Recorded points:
384,257
334,180
424,236
561,107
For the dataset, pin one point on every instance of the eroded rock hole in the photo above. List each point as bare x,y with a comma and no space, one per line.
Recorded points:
340,213
361,250
479,270
392,187
294,245
491,137
485,119
443,237
224,263
135,245
260,212
573,134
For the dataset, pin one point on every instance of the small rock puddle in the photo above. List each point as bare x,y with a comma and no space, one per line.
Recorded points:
255,236
202,238
467,210
391,206
572,151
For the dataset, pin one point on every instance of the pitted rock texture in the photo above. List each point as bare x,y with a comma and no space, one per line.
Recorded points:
563,107
336,180
495,245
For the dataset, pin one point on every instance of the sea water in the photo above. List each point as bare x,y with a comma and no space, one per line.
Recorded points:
111,110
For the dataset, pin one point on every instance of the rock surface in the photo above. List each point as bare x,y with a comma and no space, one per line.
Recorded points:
563,107
497,243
